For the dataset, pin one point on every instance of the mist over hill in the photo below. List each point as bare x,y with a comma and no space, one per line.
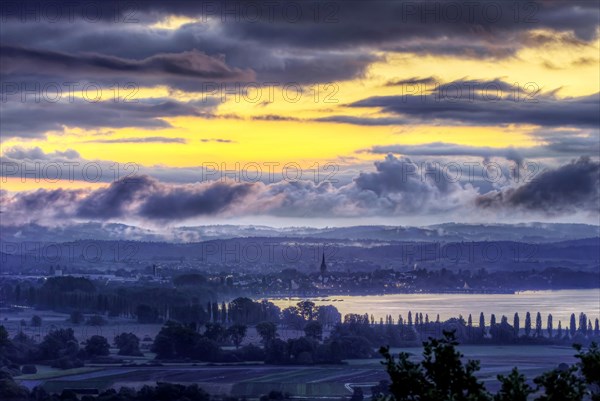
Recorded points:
271,254
449,232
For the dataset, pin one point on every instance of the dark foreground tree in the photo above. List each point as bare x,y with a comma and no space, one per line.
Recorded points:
97,346
561,385
267,331
128,344
11,391
36,321
237,332
589,364
57,344
527,324
441,376
514,387
314,330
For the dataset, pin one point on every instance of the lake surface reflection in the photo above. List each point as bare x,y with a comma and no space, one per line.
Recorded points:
559,303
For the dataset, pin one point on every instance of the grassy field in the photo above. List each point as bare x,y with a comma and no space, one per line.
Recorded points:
12,321
253,380
53,320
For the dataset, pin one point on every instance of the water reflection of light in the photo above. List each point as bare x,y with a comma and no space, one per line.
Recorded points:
559,303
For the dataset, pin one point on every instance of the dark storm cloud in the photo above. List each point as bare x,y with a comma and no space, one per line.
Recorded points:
458,102
61,199
570,188
149,199
397,187
264,20
33,119
129,48
115,200
474,102
351,22
567,144
398,176
187,70
393,188
36,153
326,42
193,64
291,41
182,203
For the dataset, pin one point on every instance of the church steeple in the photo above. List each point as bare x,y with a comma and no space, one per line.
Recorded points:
323,265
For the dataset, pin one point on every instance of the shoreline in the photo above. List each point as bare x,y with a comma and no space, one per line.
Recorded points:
277,296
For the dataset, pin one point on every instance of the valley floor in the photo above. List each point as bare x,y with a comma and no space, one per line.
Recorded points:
330,381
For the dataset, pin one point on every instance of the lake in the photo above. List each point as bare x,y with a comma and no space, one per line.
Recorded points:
559,303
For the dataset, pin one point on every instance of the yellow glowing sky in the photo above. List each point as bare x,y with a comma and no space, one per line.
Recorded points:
571,68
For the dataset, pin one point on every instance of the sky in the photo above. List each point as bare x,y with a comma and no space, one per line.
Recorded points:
318,113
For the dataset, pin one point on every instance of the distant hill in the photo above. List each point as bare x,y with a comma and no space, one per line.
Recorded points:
263,254
450,232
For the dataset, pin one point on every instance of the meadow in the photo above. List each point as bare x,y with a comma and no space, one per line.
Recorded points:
253,380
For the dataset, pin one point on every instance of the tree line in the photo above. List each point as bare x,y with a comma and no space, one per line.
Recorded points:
441,375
